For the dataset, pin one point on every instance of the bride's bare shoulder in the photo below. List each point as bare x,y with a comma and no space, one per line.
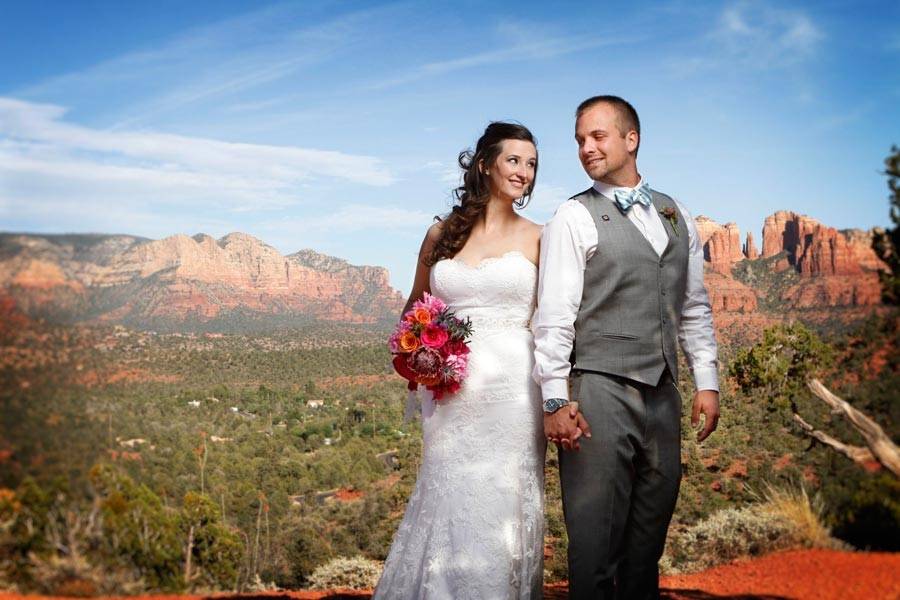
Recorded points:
531,227
435,230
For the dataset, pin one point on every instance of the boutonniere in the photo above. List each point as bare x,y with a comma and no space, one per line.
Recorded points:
671,215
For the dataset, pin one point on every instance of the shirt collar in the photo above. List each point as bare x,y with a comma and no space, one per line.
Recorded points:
609,190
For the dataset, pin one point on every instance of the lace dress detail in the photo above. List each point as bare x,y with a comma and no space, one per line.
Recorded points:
474,525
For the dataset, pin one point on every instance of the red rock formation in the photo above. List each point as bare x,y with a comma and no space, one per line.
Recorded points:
721,244
181,279
750,250
827,252
861,248
835,291
706,227
786,231
728,295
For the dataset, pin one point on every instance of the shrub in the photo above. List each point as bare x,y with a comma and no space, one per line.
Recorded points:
355,573
784,518
727,534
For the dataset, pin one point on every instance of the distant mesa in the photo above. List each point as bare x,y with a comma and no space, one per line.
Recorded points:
235,283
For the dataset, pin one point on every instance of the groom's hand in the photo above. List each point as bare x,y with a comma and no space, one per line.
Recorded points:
706,402
565,426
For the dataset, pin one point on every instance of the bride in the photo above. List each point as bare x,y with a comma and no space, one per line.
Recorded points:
474,524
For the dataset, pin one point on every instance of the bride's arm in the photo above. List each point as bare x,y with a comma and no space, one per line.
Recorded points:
421,281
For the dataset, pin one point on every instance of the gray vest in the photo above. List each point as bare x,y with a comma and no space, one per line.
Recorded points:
630,311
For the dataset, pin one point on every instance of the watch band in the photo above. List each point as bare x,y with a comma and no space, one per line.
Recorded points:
551,405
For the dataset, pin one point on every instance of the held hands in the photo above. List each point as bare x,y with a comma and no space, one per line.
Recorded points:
565,426
707,403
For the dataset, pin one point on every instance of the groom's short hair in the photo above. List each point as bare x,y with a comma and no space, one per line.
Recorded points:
627,116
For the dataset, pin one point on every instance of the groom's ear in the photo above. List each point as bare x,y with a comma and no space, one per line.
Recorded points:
632,141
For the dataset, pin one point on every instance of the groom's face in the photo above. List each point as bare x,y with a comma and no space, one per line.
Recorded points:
602,147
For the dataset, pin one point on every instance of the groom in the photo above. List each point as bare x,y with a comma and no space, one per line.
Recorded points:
621,278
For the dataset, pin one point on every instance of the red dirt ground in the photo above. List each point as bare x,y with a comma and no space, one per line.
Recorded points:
793,574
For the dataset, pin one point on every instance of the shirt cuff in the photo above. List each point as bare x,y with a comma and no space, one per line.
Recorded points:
557,387
706,378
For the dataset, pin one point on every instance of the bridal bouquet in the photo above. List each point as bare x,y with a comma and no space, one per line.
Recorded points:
429,347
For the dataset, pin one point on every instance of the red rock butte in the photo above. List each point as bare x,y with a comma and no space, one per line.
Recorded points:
820,267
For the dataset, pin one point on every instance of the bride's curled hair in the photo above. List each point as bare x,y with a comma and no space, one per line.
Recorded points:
473,195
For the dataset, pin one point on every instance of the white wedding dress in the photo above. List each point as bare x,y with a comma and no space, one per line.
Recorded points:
474,525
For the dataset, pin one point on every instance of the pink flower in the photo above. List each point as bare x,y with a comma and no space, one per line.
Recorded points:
456,366
432,303
434,336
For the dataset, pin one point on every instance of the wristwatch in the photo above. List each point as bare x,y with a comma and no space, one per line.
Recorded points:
551,405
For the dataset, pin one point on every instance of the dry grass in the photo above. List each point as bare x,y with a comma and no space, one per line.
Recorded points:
805,514
781,518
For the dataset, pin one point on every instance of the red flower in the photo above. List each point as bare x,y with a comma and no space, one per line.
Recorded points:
457,347
402,368
434,336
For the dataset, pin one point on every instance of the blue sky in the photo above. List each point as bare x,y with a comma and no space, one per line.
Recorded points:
336,125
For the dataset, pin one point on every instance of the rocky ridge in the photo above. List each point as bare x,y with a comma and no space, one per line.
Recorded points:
233,283
239,283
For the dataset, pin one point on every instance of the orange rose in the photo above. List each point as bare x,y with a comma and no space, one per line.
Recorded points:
423,316
408,342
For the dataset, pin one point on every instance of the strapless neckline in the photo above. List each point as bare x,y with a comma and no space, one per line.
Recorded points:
492,259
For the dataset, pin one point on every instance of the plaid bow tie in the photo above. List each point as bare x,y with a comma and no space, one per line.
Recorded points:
625,198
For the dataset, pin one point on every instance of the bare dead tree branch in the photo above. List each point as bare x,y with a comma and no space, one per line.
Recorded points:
880,447
857,454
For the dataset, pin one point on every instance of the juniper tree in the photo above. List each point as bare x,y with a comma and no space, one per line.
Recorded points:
886,243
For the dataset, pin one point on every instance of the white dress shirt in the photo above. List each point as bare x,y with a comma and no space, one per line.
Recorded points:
568,240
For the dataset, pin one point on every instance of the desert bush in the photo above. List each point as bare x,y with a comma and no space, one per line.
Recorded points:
216,550
805,515
355,573
783,518
727,534
139,531
74,575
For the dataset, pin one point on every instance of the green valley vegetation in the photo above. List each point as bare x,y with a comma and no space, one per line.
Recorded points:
134,461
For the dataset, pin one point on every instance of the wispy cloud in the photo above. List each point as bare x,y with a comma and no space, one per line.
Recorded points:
753,36
43,158
518,41
209,63
767,36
